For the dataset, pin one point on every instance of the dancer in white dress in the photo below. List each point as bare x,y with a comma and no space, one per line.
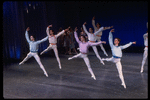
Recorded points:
53,42
117,54
34,46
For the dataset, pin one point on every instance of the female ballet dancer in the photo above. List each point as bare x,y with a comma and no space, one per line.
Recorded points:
92,39
34,45
145,36
83,45
98,36
53,42
117,54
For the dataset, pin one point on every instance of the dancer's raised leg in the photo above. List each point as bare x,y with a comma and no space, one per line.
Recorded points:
37,58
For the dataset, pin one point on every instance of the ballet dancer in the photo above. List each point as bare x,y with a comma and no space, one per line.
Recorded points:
34,46
92,39
145,36
117,54
83,45
53,42
98,36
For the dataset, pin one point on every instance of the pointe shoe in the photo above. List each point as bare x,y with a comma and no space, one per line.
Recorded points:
69,58
123,84
21,63
106,54
93,77
46,74
59,66
41,53
102,62
141,70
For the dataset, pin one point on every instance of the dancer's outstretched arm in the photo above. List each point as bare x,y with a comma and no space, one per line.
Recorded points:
127,45
100,29
84,28
93,23
76,36
60,33
94,44
27,35
44,39
110,38
47,30
147,24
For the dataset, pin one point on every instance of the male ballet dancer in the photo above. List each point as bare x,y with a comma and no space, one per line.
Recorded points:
83,47
117,54
145,36
53,42
98,36
92,39
34,46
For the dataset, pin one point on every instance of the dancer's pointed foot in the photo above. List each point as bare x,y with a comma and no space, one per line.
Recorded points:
141,70
69,58
59,66
21,63
106,54
41,53
102,62
93,77
123,84
46,74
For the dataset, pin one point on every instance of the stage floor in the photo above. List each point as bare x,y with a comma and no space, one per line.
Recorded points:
74,80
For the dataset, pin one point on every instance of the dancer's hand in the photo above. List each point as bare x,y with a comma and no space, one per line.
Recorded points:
75,29
84,23
134,42
111,26
67,29
112,30
27,29
49,26
103,42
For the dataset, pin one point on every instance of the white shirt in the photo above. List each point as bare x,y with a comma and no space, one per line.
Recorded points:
117,50
34,45
53,39
145,36
96,29
92,37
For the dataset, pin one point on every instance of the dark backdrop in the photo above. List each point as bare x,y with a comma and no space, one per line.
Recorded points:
128,18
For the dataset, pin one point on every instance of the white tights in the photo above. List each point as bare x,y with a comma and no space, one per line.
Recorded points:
97,55
119,68
103,49
87,62
37,58
54,47
144,58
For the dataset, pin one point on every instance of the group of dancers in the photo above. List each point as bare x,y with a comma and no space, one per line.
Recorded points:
83,47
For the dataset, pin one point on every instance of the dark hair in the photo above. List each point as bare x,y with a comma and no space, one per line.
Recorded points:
83,37
118,39
52,30
32,35
91,28
99,24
